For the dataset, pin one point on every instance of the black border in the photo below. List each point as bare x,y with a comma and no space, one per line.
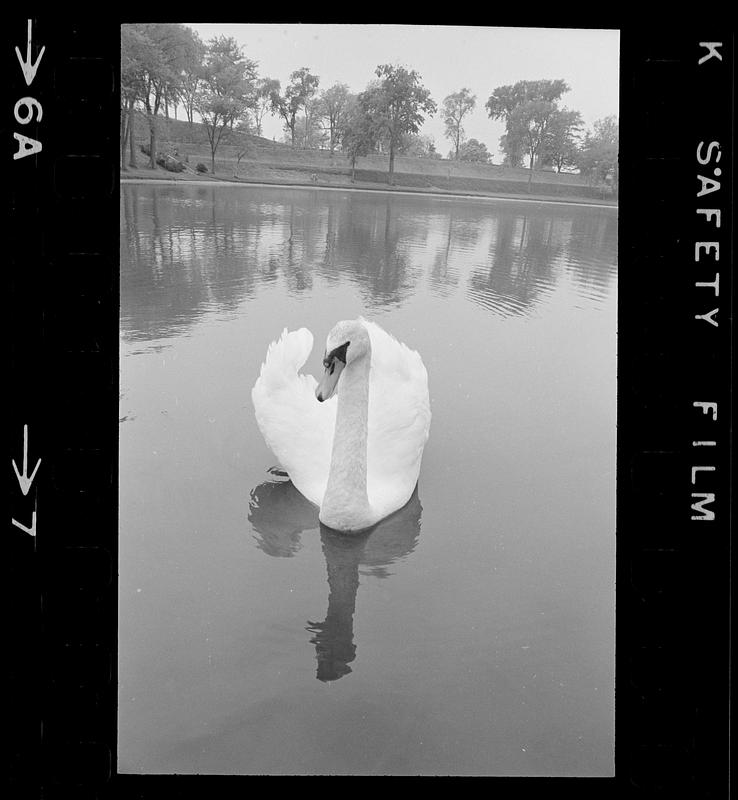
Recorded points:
673,573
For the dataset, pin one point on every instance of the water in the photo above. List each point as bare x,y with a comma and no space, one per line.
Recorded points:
473,634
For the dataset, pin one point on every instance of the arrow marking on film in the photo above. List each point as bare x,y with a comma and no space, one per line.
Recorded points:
28,67
32,529
24,481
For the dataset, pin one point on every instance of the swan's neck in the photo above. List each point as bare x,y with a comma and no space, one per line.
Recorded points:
345,503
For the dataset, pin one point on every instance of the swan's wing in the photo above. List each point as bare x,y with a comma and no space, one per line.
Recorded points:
296,427
399,420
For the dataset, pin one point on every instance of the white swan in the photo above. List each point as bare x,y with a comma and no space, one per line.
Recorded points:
353,443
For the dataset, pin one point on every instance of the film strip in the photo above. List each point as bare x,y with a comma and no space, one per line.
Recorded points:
674,569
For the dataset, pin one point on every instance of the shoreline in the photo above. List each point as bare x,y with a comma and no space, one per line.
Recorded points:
398,191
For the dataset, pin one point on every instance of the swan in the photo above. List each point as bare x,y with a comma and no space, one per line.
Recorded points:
352,443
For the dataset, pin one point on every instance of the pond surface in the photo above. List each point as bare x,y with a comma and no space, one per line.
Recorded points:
473,633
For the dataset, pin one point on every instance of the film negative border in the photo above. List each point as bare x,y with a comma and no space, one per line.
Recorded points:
674,567
60,111
674,445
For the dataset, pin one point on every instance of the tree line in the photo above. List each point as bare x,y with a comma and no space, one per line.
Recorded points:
165,66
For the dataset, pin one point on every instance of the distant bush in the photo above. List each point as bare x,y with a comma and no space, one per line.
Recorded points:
173,165
170,163
201,168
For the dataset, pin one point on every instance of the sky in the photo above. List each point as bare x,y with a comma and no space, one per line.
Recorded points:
447,59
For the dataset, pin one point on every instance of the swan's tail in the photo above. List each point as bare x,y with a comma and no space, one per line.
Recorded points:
286,356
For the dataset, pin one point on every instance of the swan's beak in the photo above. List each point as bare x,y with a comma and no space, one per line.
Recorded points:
327,386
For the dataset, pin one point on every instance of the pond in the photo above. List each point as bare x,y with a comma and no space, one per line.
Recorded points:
471,634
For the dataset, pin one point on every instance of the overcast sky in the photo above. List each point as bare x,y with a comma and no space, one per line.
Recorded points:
447,58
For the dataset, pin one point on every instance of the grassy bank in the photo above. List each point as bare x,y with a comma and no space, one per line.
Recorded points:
265,161
279,178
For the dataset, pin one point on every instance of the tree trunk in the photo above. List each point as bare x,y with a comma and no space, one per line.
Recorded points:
131,137
152,140
124,130
152,145
392,163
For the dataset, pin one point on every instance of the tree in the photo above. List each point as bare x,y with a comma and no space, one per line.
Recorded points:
332,112
397,104
226,91
263,101
500,105
455,107
512,152
474,151
307,86
419,146
309,133
359,132
191,76
303,85
561,142
170,48
598,156
527,108
136,52
240,137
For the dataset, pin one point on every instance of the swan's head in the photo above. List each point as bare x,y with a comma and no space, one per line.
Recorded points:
346,343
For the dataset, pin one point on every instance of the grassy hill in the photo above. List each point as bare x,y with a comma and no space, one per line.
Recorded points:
269,161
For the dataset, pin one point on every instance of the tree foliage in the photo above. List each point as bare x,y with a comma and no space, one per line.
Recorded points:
154,57
397,104
474,151
191,77
526,107
137,56
332,111
227,89
455,107
303,85
418,146
309,131
561,141
598,155
263,101
360,130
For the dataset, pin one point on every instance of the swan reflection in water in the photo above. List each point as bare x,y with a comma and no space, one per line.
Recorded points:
279,514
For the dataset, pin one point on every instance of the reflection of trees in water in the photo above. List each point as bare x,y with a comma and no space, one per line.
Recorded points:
521,269
187,251
298,244
592,251
178,261
439,275
279,514
366,247
462,247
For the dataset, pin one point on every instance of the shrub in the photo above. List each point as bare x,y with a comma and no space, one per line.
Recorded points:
201,168
173,165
